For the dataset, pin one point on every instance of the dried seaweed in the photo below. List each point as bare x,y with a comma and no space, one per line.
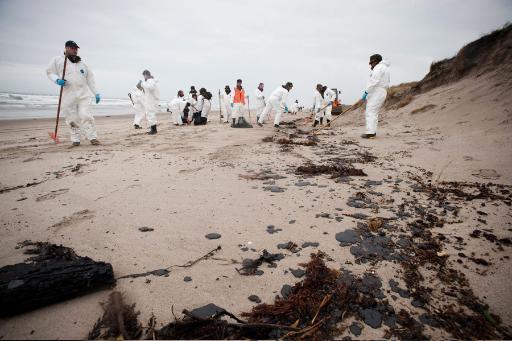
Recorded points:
337,170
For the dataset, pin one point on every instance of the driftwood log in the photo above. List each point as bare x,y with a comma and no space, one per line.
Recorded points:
54,274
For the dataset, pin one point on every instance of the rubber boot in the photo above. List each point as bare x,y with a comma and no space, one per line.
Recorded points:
137,126
321,120
328,123
233,124
315,123
153,130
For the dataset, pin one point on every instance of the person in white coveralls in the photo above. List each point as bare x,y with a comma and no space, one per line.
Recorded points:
375,93
78,85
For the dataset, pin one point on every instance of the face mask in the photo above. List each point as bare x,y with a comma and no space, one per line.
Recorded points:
74,59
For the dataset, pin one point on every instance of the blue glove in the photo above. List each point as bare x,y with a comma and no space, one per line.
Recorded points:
364,96
285,108
330,103
231,105
61,82
98,98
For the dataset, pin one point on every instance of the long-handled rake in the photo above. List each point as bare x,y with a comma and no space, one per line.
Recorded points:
313,133
53,135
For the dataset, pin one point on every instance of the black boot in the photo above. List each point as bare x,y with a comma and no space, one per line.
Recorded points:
368,136
153,130
233,124
137,126
328,123
321,120
315,124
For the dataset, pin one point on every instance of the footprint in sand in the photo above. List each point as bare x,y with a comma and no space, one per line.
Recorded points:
74,218
32,158
52,194
489,174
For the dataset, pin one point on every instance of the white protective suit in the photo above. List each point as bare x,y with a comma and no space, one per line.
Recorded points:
151,99
193,107
276,101
318,104
207,105
226,100
176,107
199,103
294,108
376,87
138,105
329,96
260,101
76,96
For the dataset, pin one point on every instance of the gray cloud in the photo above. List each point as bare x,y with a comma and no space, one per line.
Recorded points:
212,43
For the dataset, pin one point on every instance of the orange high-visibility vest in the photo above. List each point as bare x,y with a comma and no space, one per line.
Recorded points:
239,96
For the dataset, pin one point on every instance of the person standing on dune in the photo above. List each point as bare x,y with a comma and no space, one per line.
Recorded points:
375,93
78,84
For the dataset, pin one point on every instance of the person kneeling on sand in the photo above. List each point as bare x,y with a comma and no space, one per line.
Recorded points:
276,101
203,106
198,106
76,84
375,93
186,114
192,100
207,105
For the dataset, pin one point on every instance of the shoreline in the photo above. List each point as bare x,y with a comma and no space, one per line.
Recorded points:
61,119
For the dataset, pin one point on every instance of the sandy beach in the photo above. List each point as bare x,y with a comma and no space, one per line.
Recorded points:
291,232
187,182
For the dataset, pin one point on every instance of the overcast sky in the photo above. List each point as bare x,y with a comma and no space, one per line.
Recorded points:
212,43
